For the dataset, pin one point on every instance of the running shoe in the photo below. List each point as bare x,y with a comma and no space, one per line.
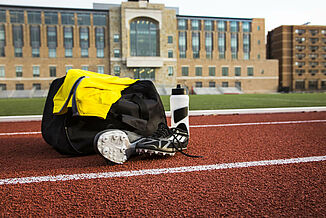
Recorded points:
116,146
164,141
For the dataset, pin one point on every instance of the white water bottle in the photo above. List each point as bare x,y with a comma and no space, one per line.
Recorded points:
179,107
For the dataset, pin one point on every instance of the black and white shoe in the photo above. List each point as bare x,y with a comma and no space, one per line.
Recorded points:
115,145
164,141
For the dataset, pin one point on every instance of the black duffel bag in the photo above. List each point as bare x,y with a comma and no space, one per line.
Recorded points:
139,110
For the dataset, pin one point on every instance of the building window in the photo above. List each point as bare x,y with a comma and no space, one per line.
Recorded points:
300,31
2,40
225,84
195,25
34,17
144,38
68,52
209,44
85,67
246,46
17,16
170,39
209,25
237,71
84,41
99,41
300,72
52,41
300,39
100,69
185,71
36,86
117,70
36,71
195,44
18,39
170,54
68,41
170,71
182,44
144,73
199,71
234,26
53,71
299,85
322,85
99,19
2,71
313,84
116,38
68,68
211,71
19,71
35,38
100,53
225,71
50,17
19,86
52,52
234,45
116,53
300,56
3,16
221,45
84,19
250,71
84,52
246,27
67,19
199,84
3,87
182,24
312,56
313,32
238,85
221,26
313,48
212,84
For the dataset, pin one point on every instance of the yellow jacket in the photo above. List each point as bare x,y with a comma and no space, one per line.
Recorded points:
91,94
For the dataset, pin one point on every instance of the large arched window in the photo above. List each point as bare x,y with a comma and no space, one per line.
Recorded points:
144,37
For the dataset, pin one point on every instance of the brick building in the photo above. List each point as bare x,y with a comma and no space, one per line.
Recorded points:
301,51
136,39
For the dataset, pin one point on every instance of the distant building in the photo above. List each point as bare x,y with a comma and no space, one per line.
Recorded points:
134,39
301,51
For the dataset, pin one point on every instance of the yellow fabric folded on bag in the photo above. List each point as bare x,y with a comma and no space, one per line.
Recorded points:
94,94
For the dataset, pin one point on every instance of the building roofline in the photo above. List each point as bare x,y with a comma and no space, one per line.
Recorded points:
214,18
49,8
302,26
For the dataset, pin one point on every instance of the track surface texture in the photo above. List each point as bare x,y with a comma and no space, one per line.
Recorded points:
293,189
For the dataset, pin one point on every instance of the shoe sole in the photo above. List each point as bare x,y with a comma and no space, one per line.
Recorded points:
113,146
155,152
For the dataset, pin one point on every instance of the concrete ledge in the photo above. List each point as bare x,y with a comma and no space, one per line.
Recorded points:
196,113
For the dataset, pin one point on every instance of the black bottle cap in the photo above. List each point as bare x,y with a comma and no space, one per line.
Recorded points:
178,90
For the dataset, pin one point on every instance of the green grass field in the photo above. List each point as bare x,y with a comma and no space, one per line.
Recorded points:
34,106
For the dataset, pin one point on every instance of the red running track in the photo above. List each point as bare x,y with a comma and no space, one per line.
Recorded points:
296,189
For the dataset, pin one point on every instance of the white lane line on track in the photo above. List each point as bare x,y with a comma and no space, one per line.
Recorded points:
19,133
201,126
259,123
106,175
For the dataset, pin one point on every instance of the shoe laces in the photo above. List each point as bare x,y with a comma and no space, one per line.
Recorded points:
164,131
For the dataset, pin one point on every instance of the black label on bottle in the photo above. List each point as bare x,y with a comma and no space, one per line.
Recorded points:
180,114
